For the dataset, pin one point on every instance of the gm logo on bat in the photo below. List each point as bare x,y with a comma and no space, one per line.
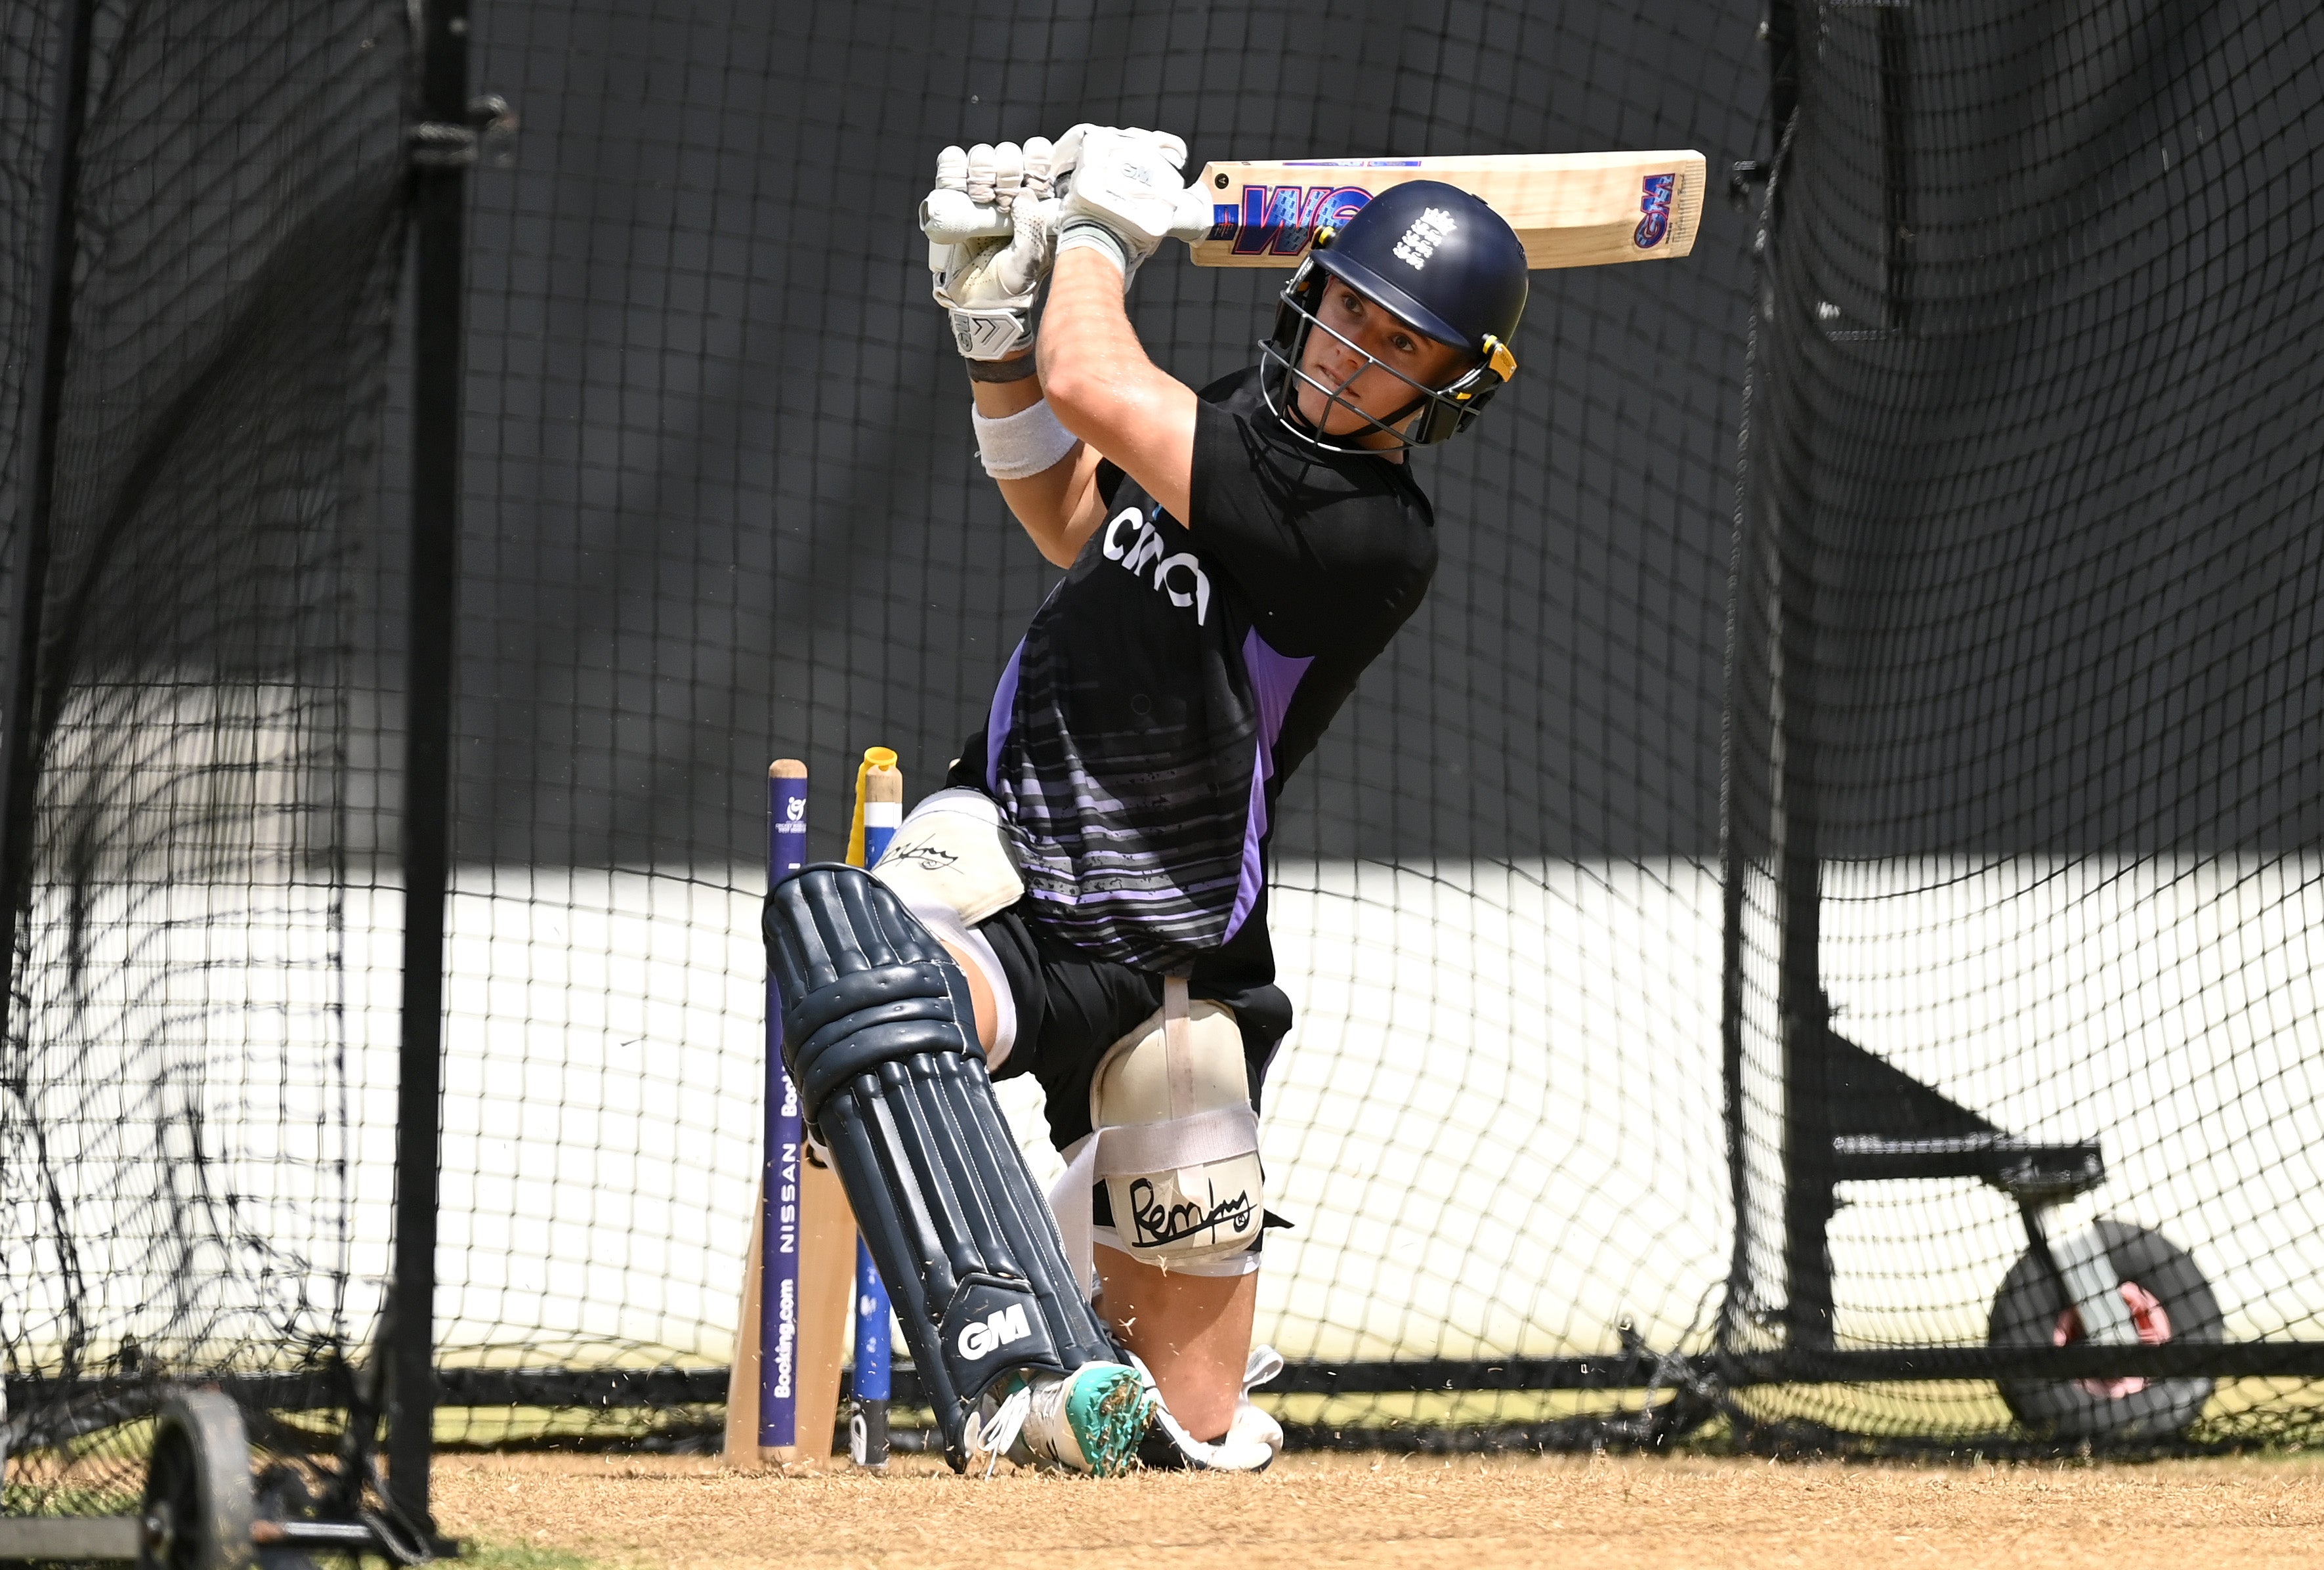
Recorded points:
1283,218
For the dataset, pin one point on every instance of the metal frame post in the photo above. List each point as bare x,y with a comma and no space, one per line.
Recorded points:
443,146
1800,988
20,741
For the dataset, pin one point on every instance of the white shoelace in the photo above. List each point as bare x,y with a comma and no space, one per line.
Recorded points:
1008,1421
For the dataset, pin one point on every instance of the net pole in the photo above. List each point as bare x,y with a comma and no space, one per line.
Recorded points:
1801,1006
1740,835
1759,777
29,561
1779,518
442,148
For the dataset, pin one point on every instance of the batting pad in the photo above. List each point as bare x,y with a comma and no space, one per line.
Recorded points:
878,1033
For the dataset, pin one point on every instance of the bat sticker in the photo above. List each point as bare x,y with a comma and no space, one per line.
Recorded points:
1655,201
1284,218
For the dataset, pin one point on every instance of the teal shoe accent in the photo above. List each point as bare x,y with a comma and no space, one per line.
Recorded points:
1109,1409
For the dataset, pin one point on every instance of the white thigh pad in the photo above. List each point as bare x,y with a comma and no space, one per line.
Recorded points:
952,851
951,866
1176,1142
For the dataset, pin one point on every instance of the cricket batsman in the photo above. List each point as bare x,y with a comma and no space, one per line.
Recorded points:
1087,900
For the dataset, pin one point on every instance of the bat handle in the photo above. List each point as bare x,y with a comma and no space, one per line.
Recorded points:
947,217
1197,215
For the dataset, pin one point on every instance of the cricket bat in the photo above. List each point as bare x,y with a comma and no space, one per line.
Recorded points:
794,1408
1570,209
826,1305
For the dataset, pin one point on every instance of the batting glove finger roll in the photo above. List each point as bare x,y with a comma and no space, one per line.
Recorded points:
991,229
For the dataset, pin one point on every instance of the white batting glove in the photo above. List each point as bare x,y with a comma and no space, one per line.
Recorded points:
1122,194
1066,155
987,285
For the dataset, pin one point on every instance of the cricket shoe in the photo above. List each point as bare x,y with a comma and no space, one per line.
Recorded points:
1091,1420
1252,1439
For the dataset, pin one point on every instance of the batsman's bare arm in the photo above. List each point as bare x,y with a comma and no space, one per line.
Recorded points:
1059,507
1103,388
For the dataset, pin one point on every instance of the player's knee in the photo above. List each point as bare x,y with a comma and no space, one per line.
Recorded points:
950,865
863,983
1180,1153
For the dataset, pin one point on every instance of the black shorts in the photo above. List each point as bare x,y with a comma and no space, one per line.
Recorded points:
1070,1009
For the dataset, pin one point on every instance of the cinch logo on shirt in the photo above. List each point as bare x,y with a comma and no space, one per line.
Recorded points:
1179,576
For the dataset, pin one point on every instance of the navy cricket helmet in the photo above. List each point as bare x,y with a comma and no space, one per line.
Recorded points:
1440,260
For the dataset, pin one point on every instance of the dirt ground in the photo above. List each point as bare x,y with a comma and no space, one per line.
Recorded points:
1318,1512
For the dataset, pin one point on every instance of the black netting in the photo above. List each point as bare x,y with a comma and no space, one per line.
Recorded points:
2023,790
2019,719
185,1180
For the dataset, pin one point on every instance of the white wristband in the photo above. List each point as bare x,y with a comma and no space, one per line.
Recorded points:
1089,234
1019,446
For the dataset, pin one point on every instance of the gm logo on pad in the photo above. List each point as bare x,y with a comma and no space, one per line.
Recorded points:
1007,1326
990,1325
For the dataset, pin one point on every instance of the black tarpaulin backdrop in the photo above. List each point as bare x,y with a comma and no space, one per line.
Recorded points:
721,505
2045,468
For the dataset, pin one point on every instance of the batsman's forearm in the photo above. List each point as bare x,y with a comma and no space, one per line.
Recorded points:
1049,504
1104,388
997,399
1088,348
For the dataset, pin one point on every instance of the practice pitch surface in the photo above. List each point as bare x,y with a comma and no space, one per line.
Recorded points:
1321,1512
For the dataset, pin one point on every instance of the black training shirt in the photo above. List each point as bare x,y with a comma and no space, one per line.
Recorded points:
1144,728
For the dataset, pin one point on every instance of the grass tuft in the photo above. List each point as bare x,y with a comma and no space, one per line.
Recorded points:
486,1554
